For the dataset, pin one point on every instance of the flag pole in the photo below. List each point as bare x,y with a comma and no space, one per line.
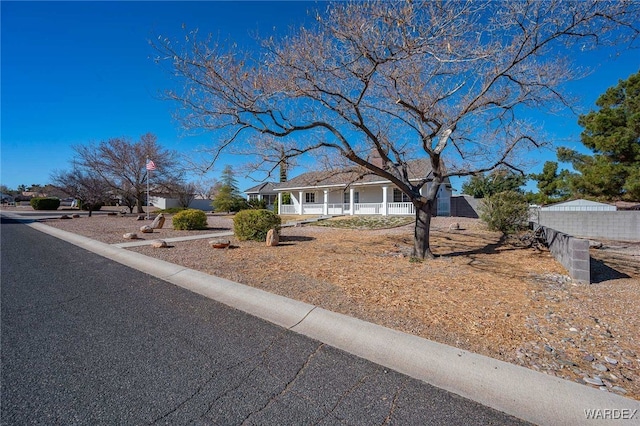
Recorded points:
148,176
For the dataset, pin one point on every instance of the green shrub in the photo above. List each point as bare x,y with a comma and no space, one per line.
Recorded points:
45,203
190,219
507,212
254,224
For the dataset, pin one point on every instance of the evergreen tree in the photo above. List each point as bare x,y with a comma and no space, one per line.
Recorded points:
228,197
552,186
500,180
613,134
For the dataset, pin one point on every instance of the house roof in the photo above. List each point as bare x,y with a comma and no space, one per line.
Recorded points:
417,170
264,187
579,205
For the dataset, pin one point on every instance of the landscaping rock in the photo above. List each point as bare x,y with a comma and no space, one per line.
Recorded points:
619,389
75,215
146,229
112,214
220,244
611,361
130,236
159,244
64,216
140,217
158,222
597,381
273,238
600,367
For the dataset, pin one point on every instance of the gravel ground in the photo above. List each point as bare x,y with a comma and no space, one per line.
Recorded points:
481,294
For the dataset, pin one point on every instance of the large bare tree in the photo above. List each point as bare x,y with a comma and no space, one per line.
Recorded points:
121,164
450,81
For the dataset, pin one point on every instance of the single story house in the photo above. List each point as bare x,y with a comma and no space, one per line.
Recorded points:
350,192
264,191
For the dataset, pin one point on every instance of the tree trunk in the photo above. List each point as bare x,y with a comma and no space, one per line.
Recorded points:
139,203
421,248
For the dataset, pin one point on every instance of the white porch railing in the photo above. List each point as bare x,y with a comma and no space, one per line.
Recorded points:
288,209
337,208
312,208
358,208
367,208
401,208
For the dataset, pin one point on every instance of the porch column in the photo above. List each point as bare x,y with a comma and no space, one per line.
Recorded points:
325,207
384,201
279,202
351,201
300,194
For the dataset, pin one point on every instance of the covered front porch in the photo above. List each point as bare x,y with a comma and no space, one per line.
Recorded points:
365,200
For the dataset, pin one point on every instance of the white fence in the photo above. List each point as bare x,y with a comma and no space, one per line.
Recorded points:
406,209
401,209
312,208
288,209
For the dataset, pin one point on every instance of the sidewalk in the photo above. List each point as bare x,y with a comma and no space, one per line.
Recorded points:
523,393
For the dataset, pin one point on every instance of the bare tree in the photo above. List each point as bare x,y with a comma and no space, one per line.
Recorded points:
185,191
121,164
450,81
90,189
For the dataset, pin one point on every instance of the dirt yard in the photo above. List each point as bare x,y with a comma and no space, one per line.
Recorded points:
482,294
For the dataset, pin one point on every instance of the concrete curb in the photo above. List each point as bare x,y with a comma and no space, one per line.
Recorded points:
523,393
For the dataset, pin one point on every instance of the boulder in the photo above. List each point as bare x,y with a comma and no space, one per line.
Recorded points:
159,244
158,222
273,238
112,214
140,217
130,236
75,215
64,216
219,244
146,229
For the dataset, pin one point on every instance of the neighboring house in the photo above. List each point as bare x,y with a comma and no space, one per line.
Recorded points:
163,202
579,206
264,191
349,192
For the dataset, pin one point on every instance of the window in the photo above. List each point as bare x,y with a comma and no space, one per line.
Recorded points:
253,197
400,197
356,197
309,197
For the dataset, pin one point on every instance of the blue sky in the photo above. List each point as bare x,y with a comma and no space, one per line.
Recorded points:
79,72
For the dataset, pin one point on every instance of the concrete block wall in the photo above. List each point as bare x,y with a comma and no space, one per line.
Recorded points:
571,252
606,225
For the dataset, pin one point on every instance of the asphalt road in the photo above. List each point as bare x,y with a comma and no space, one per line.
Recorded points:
85,340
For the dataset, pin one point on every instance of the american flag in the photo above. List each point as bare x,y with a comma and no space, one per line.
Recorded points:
151,165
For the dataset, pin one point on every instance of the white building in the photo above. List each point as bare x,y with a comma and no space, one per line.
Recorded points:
348,192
